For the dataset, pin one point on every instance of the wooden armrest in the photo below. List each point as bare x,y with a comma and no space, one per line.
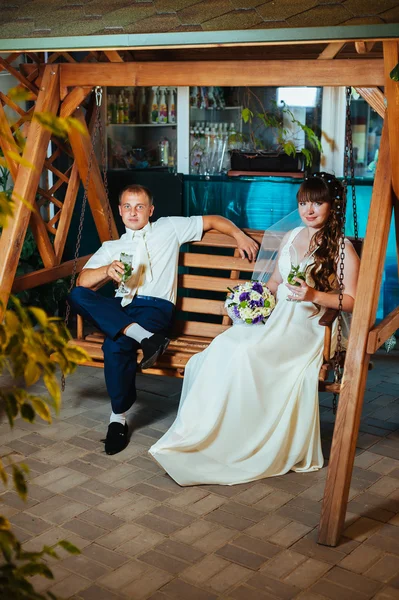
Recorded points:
329,317
99,285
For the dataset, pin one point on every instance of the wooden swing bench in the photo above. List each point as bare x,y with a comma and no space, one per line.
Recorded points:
212,269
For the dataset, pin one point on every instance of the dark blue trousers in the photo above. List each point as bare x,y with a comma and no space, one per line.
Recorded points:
120,351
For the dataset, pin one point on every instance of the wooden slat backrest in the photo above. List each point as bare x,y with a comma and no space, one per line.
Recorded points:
210,267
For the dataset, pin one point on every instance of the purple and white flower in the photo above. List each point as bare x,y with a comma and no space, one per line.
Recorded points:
251,302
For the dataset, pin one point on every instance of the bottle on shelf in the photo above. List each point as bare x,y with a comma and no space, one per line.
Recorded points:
163,109
111,112
153,105
196,151
171,164
163,152
359,131
142,106
219,97
203,100
120,115
193,95
232,141
211,98
132,105
192,138
125,108
171,105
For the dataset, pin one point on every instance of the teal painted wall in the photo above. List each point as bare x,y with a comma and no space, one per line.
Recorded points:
260,202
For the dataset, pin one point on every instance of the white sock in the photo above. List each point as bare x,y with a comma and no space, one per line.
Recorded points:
117,418
138,333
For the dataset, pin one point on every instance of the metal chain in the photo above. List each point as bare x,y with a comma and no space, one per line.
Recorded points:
105,178
97,125
349,176
349,163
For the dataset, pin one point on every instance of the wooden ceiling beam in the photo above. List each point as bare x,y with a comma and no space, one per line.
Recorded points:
374,97
113,56
331,50
363,47
365,72
73,100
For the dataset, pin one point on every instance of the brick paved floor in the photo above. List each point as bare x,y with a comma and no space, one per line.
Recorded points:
143,537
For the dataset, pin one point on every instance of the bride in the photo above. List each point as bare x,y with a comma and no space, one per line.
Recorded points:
249,406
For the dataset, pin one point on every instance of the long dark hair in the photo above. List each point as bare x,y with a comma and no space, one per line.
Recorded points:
324,187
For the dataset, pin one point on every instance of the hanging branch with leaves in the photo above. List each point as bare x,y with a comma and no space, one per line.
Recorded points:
273,121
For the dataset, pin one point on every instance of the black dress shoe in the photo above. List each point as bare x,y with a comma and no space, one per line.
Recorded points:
116,439
153,347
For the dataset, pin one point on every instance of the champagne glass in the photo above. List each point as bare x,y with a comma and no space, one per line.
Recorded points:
127,260
295,273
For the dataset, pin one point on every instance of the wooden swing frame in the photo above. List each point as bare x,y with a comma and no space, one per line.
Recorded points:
61,88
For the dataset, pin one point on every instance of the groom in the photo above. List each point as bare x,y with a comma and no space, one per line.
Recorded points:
141,317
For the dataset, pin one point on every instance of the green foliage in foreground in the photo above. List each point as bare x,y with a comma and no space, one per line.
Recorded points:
32,347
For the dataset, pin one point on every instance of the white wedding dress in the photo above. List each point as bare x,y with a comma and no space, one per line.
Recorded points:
249,406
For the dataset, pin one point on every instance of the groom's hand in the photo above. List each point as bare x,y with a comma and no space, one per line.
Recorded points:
115,270
247,247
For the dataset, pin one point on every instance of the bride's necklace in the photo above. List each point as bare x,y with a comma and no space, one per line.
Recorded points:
309,249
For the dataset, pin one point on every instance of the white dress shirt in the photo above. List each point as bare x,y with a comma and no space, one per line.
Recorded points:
163,240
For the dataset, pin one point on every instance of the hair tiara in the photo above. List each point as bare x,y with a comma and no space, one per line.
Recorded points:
329,179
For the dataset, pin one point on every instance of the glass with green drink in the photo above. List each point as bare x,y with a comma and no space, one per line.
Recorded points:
292,275
127,260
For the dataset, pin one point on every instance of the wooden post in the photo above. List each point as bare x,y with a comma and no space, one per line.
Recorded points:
66,213
26,183
97,197
38,226
356,363
73,100
391,59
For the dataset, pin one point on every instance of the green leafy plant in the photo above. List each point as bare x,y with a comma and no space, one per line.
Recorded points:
33,347
394,74
49,296
6,204
272,121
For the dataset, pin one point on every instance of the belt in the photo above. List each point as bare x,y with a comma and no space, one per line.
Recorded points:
153,299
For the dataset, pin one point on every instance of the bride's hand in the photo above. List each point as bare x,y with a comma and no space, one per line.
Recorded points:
302,292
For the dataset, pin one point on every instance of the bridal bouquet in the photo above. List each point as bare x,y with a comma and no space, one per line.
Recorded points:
251,302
